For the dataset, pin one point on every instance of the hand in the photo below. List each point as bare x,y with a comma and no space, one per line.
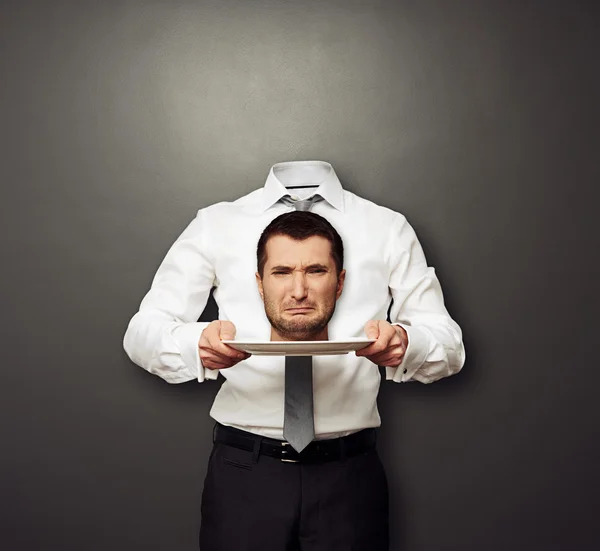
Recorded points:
213,353
390,346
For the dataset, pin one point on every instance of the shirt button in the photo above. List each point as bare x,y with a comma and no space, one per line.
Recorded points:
405,370
295,197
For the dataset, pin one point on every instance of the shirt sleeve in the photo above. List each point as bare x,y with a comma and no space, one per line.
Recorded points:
162,337
435,348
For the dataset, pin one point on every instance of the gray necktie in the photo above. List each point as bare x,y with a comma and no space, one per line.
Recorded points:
301,204
298,422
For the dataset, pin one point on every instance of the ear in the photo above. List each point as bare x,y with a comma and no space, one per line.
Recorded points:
340,284
260,285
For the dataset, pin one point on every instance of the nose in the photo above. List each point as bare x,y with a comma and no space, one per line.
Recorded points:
299,286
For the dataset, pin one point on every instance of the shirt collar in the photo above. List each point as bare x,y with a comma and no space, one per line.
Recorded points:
294,173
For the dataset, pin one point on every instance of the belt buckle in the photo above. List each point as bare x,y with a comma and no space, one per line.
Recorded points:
283,452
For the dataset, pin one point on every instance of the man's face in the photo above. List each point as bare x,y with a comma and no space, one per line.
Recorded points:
299,287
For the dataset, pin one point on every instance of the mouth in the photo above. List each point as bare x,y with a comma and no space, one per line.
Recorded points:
300,310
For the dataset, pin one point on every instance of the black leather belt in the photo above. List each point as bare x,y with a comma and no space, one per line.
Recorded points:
317,451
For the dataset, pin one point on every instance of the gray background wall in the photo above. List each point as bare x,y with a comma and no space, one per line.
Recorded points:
476,119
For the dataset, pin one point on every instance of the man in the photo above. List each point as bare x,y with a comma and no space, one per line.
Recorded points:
385,265
300,275
321,498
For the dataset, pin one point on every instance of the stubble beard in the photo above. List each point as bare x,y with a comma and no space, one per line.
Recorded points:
299,328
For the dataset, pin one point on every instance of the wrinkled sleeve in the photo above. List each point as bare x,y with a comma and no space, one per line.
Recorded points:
162,337
435,348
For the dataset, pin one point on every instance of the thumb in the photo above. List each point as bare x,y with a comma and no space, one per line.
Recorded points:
372,329
226,330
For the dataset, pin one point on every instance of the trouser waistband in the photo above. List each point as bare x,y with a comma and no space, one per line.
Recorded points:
317,451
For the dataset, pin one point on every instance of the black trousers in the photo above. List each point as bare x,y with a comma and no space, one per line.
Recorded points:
269,505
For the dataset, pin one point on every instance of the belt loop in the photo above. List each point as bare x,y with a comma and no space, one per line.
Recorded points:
256,449
214,432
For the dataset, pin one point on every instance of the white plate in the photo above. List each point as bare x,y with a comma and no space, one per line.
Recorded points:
299,348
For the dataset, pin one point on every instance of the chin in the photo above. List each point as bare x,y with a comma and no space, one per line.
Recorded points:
302,333
300,337
299,327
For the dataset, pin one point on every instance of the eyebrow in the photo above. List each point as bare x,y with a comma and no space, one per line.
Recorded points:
282,268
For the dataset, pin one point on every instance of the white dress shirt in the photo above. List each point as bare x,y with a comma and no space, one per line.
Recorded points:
383,260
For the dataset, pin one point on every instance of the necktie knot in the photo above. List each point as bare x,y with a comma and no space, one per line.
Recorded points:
301,204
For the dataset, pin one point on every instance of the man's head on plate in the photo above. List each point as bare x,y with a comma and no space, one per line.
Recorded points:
300,276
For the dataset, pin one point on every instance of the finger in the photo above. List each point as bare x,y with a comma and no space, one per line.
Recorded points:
388,343
387,337
227,330
208,354
391,357
213,361
210,334
373,348
216,365
372,329
222,349
230,352
213,351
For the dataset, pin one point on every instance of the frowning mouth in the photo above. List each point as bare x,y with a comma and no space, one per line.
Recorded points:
299,310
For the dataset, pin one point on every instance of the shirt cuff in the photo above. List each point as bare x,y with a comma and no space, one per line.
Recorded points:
187,337
414,357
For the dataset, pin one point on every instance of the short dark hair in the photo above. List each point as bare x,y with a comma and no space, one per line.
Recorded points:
300,225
